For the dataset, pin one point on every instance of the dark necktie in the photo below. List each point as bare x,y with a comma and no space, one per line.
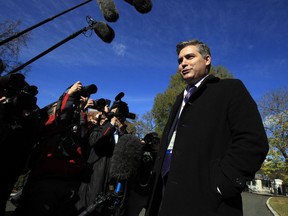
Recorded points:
167,159
190,90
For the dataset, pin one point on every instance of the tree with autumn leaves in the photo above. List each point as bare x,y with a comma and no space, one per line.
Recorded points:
10,51
274,110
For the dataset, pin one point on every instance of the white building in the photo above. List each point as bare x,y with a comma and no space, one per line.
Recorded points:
262,184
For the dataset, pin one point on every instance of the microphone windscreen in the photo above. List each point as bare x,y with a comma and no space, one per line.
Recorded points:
142,6
108,10
104,31
126,157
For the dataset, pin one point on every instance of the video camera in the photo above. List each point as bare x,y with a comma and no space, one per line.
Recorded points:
19,94
100,104
151,138
151,146
123,110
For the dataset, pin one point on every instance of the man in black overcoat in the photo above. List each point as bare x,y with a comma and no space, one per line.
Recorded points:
214,140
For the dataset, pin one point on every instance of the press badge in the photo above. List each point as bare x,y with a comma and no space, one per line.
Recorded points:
171,144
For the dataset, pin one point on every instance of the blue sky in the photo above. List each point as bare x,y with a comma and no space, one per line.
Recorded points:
248,37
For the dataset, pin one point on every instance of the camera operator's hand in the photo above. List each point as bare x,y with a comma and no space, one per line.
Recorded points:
2,99
122,127
77,87
118,124
113,121
86,103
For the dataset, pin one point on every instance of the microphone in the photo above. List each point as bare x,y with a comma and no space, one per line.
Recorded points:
41,23
126,157
142,6
103,30
124,165
119,96
108,10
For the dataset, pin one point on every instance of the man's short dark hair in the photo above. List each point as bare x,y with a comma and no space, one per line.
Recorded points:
204,50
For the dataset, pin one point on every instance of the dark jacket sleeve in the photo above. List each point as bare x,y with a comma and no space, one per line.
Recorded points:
63,115
101,140
248,147
66,112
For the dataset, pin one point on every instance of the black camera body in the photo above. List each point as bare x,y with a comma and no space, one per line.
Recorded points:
151,138
20,121
150,150
123,109
100,104
152,142
19,94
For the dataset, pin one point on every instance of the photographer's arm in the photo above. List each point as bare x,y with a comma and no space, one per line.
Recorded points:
107,130
100,133
2,99
76,87
66,111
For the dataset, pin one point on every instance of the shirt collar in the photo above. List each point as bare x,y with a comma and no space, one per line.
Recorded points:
200,81
197,84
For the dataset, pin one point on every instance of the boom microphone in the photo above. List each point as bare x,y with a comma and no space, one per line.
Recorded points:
126,157
103,30
41,23
108,10
142,6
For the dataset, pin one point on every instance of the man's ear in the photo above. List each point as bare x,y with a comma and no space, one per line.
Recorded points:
208,59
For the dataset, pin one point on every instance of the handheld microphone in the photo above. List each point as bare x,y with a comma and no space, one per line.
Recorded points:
125,162
126,157
108,10
103,30
142,6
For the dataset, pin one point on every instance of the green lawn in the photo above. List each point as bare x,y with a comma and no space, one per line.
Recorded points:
280,205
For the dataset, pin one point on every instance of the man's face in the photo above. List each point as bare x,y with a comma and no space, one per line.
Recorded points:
106,108
192,66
